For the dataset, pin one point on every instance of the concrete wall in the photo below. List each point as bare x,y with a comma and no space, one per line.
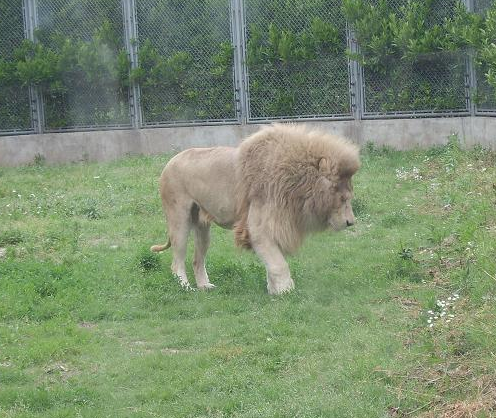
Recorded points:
109,145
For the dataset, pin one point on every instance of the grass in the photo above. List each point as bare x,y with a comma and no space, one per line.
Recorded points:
93,325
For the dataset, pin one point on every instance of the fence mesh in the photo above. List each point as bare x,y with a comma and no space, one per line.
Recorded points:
432,82
185,61
14,98
485,97
88,67
296,59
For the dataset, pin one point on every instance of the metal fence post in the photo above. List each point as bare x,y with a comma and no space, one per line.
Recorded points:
35,95
471,76
356,79
131,41
238,34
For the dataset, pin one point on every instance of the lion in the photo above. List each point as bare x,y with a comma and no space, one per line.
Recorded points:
279,185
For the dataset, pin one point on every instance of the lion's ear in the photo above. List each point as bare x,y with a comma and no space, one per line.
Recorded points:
324,165
349,166
349,161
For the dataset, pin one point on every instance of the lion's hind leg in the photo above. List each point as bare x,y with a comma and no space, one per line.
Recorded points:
202,241
201,228
179,226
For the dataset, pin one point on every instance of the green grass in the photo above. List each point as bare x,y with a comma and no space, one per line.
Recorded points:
93,325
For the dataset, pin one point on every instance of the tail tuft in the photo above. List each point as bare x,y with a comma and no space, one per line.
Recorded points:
159,248
242,236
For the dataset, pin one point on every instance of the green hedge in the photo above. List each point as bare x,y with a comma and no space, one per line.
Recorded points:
417,51
185,60
14,99
296,58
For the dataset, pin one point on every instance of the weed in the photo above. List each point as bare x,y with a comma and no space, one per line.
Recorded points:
148,261
39,160
11,237
91,211
359,206
395,218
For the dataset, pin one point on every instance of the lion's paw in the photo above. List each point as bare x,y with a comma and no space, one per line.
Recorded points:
280,287
206,286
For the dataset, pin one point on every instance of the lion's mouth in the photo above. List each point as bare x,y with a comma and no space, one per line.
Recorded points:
339,227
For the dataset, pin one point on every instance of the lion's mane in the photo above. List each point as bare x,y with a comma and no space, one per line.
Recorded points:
279,169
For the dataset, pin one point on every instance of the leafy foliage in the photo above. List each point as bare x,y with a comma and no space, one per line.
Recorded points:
185,61
179,87
296,60
14,104
417,51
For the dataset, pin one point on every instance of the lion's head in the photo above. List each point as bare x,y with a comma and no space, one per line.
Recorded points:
329,206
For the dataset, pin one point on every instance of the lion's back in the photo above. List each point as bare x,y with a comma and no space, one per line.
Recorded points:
205,176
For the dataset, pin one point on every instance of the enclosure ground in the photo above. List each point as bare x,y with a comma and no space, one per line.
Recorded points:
94,325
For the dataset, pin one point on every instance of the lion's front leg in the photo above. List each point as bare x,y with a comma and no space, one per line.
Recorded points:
278,275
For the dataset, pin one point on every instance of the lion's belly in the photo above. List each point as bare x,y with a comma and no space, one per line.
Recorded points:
218,203
224,217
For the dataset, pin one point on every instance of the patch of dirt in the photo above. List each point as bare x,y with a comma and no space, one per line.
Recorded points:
226,352
449,241
147,347
409,304
483,405
57,372
88,325
450,263
174,351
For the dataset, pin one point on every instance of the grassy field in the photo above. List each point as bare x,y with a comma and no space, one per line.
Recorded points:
394,317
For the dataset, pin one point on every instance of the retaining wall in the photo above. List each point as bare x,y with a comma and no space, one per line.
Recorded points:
402,134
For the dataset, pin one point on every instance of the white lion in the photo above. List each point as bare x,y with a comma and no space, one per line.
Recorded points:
280,184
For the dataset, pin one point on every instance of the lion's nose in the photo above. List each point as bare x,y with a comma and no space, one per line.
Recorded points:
349,223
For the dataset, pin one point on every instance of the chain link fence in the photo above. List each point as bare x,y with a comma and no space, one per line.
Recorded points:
420,84
485,95
185,61
295,53
88,84
434,83
14,98
96,64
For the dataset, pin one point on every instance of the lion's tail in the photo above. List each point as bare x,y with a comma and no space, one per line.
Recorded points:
242,234
158,248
